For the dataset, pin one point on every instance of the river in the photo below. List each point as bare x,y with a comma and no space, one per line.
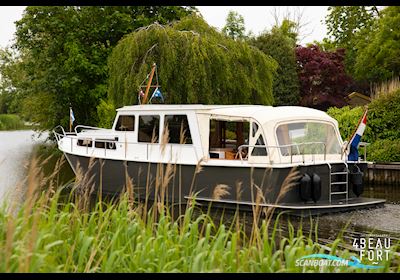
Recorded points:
15,149
17,146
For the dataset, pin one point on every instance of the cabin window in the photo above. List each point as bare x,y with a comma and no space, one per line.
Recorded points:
178,128
307,138
259,151
149,128
109,144
125,123
226,137
84,142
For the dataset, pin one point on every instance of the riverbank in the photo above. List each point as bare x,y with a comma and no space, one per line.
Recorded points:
12,122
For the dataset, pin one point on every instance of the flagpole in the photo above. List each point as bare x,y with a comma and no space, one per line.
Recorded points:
70,121
149,84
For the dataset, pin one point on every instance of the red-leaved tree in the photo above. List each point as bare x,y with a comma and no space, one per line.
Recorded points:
323,81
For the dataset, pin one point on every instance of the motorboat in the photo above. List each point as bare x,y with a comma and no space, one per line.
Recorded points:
249,151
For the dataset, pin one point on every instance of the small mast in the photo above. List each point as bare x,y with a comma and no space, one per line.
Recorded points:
143,96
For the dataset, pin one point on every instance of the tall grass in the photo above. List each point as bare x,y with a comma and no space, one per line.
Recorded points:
48,231
11,122
385,87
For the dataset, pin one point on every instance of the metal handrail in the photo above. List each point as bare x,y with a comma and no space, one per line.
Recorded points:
87,127
364,144
240,148
59,135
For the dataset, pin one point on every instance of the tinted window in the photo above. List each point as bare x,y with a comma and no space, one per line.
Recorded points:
259,151
125,123
107,145
84,142
149,128
178,126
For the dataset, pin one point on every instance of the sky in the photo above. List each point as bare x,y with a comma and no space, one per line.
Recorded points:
256,19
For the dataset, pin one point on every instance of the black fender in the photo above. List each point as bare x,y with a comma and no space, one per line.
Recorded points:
305,187
316,187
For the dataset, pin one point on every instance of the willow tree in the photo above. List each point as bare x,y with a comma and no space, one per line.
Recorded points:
196,64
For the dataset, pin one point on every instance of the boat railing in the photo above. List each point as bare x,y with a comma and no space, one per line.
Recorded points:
364,145
57,134
345,152
72,141
80,128
300,151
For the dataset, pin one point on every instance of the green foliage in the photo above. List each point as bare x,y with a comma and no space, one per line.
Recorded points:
12,77
384,150
346,25
289,29
11,122
196,64
106,112
234,27
382,125
279,43
348,119
378,56
343,22
64,52
384,113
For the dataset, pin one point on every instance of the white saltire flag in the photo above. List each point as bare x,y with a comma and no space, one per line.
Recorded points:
355,139
71,118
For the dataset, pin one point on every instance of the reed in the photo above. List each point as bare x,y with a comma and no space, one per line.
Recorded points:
48,232
385,87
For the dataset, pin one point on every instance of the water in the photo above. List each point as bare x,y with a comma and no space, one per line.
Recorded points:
17,146
15,149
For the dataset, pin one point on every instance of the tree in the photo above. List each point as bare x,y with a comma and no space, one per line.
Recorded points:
323,81
64,52
234,27
279,43
196,64
348,24
378,55
12,77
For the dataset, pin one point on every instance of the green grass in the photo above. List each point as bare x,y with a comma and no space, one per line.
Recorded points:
11,122
51,232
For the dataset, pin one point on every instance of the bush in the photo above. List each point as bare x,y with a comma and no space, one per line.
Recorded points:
348,119
11,122
384,150
382,126
384,113
106,112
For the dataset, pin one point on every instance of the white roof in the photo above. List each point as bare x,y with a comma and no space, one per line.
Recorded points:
259,112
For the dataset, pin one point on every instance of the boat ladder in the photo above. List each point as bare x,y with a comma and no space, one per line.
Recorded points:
334,183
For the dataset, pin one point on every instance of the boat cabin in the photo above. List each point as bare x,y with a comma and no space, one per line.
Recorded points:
216,134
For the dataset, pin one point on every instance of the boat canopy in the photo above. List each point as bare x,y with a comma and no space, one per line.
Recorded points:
262,114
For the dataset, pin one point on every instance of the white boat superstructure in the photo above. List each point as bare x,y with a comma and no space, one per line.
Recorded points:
271,141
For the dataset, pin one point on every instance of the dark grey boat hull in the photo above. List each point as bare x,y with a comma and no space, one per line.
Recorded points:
112,176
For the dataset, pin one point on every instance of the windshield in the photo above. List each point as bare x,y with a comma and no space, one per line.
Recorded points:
310,137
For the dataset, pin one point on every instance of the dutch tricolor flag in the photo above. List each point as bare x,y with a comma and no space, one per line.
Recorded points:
355,140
